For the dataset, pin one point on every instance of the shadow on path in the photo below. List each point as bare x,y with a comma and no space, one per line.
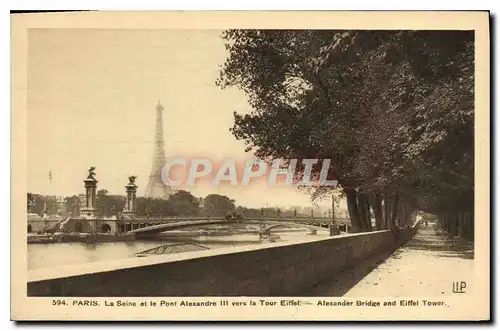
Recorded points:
344,281
428,240
440,242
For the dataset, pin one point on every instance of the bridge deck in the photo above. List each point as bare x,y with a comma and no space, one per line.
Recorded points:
212,218
189,224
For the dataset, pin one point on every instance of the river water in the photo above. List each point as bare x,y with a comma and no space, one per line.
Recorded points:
57,254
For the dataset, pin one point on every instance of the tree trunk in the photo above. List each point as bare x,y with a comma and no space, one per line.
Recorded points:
366,204
385,224
405,214
336,230
376,202
447,227
362,211
461,224
454,231
454,225
400,213
393,211
352,207
470,233
450,223
408,210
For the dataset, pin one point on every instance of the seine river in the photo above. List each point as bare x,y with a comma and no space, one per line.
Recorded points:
56,254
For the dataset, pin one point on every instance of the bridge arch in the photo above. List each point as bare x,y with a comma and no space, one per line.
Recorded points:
105,228
78,227
188,224
280,225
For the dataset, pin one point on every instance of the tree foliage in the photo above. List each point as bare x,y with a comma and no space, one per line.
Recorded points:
393,110
218,205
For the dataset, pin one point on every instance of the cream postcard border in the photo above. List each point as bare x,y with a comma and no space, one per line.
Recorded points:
472,306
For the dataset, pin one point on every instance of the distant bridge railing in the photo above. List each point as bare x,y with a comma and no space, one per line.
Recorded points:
128,225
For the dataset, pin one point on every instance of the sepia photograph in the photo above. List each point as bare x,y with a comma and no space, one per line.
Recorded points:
323,171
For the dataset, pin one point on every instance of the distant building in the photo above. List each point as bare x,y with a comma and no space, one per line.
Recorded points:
34,217
61,204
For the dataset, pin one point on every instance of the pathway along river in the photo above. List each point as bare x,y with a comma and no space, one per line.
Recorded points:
56,254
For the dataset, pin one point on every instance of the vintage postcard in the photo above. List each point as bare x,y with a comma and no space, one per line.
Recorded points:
319,166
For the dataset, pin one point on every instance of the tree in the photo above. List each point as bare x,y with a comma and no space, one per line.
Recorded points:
218,205
72,205
248,213
154,207
184,203
109,205
30,201
384,106
43,203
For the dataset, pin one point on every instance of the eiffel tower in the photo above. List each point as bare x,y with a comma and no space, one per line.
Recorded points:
156,188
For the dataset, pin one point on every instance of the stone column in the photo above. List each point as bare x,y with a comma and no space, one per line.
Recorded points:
130,204
90,198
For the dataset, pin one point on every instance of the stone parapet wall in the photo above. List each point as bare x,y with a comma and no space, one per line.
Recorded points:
269,270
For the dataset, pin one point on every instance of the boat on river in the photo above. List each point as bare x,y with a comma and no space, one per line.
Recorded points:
171,249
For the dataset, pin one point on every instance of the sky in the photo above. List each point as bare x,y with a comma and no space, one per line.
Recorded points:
92,95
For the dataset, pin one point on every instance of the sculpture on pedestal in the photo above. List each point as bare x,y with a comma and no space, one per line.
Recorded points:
91,173
90,195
